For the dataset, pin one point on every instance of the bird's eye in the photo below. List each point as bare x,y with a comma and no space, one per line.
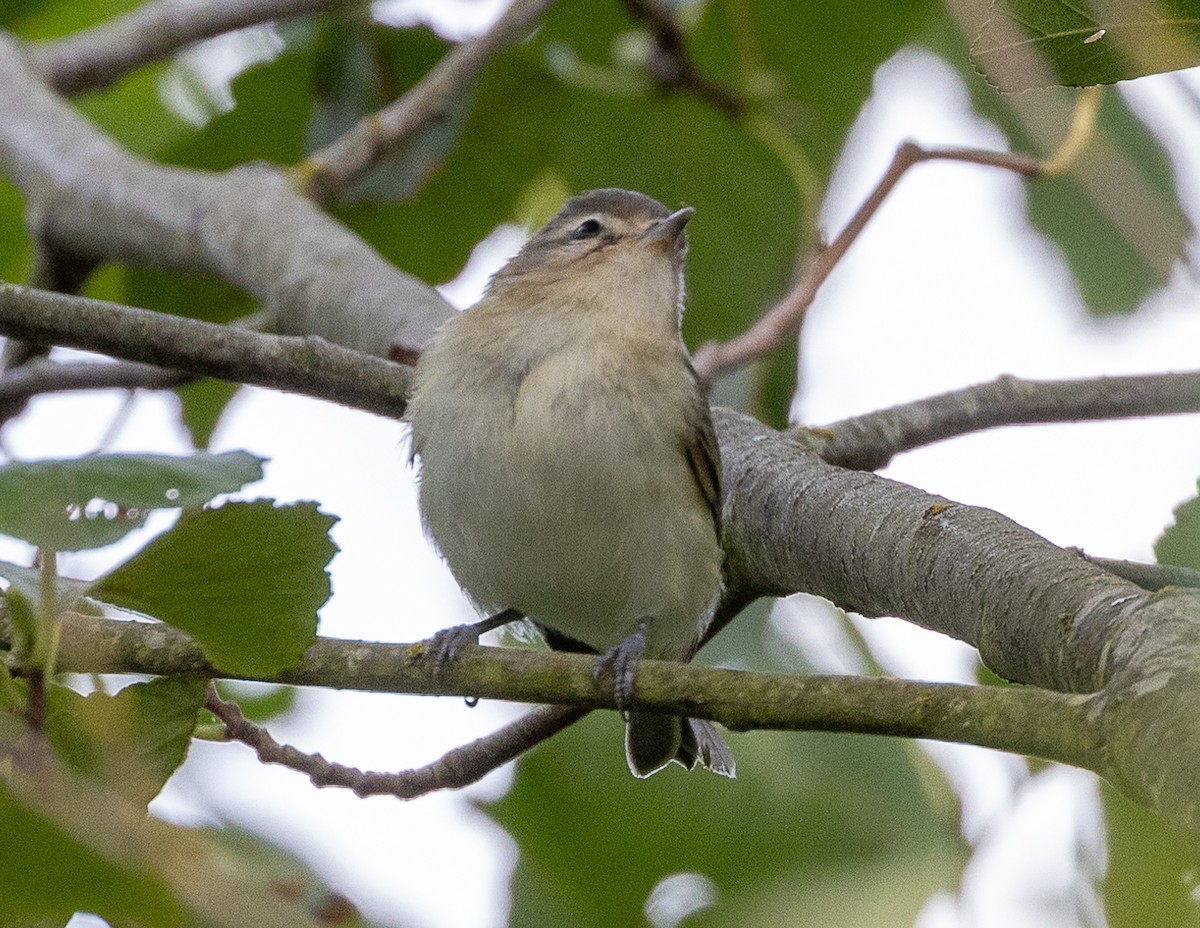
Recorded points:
589,228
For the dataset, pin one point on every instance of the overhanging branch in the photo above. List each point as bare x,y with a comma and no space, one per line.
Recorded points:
309,366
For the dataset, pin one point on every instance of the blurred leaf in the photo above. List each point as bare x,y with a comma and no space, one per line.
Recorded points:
259,702
71,845
1115,214
804,808
360,69
267,123
1081,43
244,580
289,877
194,296
14,241
1180,543
28,581
1151,878
70,505
133,112
203,403
49,19
47,874
132,741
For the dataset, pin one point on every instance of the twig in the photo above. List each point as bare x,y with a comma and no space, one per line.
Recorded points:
309,366
869,441
1153,577
328,172
96,57
42,376
458,768
714,359
673,66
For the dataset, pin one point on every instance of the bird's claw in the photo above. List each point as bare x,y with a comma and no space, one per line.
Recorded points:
622,661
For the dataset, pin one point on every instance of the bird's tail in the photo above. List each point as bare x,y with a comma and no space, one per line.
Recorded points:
653,740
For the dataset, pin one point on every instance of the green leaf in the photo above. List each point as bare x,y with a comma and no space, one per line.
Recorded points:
132,111
46,874
1037,43
288,877
50,19
1151,876
259,702
70,844
14,240
362,67
1180,543
203,402
267,122
244,580
825,813
1115,214
70,505
132,741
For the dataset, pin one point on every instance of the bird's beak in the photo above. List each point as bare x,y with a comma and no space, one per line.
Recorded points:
668,232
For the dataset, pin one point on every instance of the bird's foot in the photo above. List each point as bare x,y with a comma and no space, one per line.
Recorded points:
622,662
445,645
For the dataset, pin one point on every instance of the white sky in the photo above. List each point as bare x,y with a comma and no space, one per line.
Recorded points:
947,287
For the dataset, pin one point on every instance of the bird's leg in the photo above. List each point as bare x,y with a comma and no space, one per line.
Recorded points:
622,661
444,645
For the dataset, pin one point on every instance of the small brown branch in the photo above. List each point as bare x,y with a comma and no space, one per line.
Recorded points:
714,359
869,442
309,366
96,57
41,376
673,66
457,768
328,172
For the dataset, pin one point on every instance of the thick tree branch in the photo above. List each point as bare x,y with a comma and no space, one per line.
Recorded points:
869,442
1037,613
328,172
88,196
96,57
309,366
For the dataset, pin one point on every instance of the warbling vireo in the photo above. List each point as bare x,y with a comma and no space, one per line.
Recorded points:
569,471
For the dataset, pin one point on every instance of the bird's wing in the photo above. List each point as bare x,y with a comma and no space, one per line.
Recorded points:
699,442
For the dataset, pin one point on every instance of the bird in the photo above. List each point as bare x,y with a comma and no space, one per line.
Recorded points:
569,470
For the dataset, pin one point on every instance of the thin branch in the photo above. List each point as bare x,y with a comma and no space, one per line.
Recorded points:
1055,726
328,172
458,768
869,442
42,376
96,57
714,359
309,366
1153,577
673,66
